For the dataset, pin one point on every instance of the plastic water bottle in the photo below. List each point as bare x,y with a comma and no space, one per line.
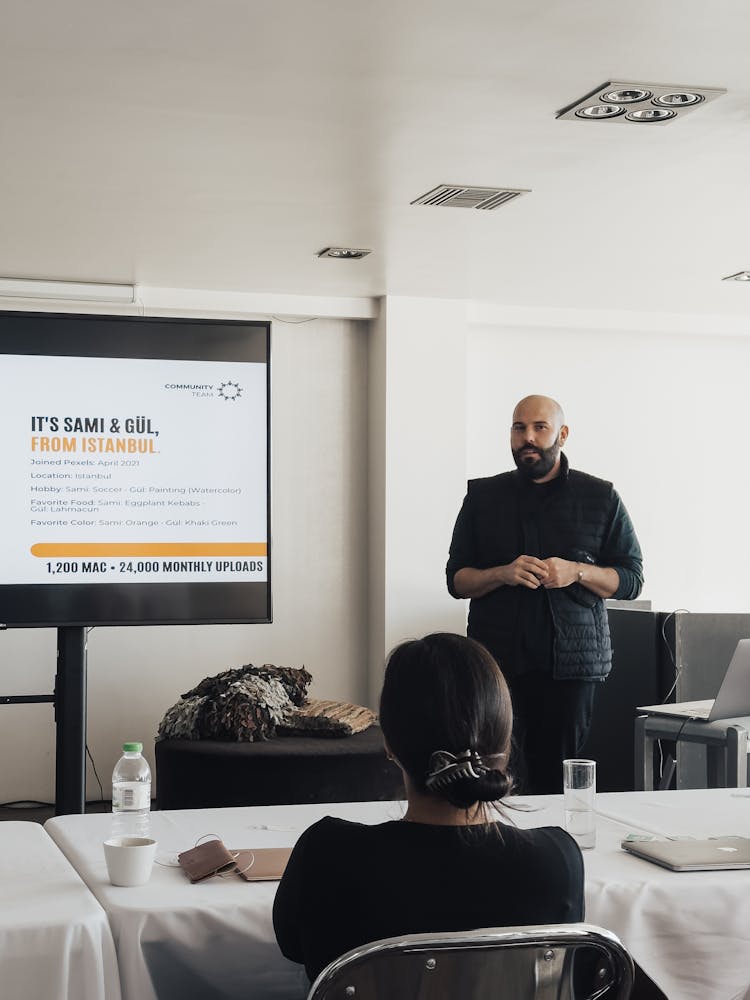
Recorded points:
131,793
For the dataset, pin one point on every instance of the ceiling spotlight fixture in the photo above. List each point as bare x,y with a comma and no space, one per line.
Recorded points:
600,111
343,253
678,99
651,115
638,102
739,276
625,96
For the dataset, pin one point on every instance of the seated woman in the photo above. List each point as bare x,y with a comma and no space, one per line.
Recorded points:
448,864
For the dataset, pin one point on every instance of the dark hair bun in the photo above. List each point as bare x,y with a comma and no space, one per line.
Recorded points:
491,786
494,785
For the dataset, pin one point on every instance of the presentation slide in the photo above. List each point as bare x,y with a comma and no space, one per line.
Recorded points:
136,484
134,470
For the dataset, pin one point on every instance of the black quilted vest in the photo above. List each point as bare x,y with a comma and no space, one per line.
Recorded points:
586,523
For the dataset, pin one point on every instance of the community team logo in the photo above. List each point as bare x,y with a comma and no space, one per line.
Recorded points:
230,390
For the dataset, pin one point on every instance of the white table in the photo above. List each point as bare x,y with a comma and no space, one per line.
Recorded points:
689,931
55,942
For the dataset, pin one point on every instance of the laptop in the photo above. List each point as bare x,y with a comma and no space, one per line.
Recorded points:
732,701
693,855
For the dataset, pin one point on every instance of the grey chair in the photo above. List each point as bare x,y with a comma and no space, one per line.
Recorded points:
549,962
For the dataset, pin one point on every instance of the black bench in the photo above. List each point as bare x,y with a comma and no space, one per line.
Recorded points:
193,774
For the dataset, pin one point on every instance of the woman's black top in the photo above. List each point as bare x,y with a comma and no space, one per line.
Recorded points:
348,883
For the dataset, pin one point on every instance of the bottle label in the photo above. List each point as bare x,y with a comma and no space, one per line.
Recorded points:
131,796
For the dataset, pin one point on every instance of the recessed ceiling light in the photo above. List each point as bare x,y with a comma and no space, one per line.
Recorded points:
739,276
678,98
626,96
651,115
599,111
343,253
626,101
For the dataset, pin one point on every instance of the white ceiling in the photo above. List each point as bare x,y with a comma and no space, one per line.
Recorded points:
219,144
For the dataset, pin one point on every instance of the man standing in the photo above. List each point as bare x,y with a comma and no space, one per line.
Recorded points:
537,551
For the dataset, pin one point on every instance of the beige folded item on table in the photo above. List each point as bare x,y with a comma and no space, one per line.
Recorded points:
327,718
262,864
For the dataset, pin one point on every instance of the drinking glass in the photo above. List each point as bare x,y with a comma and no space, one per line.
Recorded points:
579,792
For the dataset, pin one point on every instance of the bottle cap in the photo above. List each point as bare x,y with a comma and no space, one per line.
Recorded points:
132,747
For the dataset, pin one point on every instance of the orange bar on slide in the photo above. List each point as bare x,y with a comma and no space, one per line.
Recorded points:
53,550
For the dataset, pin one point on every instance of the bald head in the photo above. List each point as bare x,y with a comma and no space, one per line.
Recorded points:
532,406
537,434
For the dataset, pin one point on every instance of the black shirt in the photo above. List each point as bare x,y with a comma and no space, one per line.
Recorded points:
534,634
347,884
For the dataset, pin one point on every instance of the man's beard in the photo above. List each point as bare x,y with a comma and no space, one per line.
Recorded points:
536,468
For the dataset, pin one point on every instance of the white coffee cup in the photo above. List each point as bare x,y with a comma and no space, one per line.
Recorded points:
129,859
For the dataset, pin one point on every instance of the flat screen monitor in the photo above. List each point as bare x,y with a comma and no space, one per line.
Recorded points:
135,470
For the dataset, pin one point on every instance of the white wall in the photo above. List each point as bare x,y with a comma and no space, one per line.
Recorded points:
664,416
417,469
319,525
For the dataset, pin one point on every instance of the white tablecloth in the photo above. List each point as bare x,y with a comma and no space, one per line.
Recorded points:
691,928
55,942
689,931
705,812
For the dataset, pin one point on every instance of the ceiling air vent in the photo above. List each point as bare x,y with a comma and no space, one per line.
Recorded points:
457,196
